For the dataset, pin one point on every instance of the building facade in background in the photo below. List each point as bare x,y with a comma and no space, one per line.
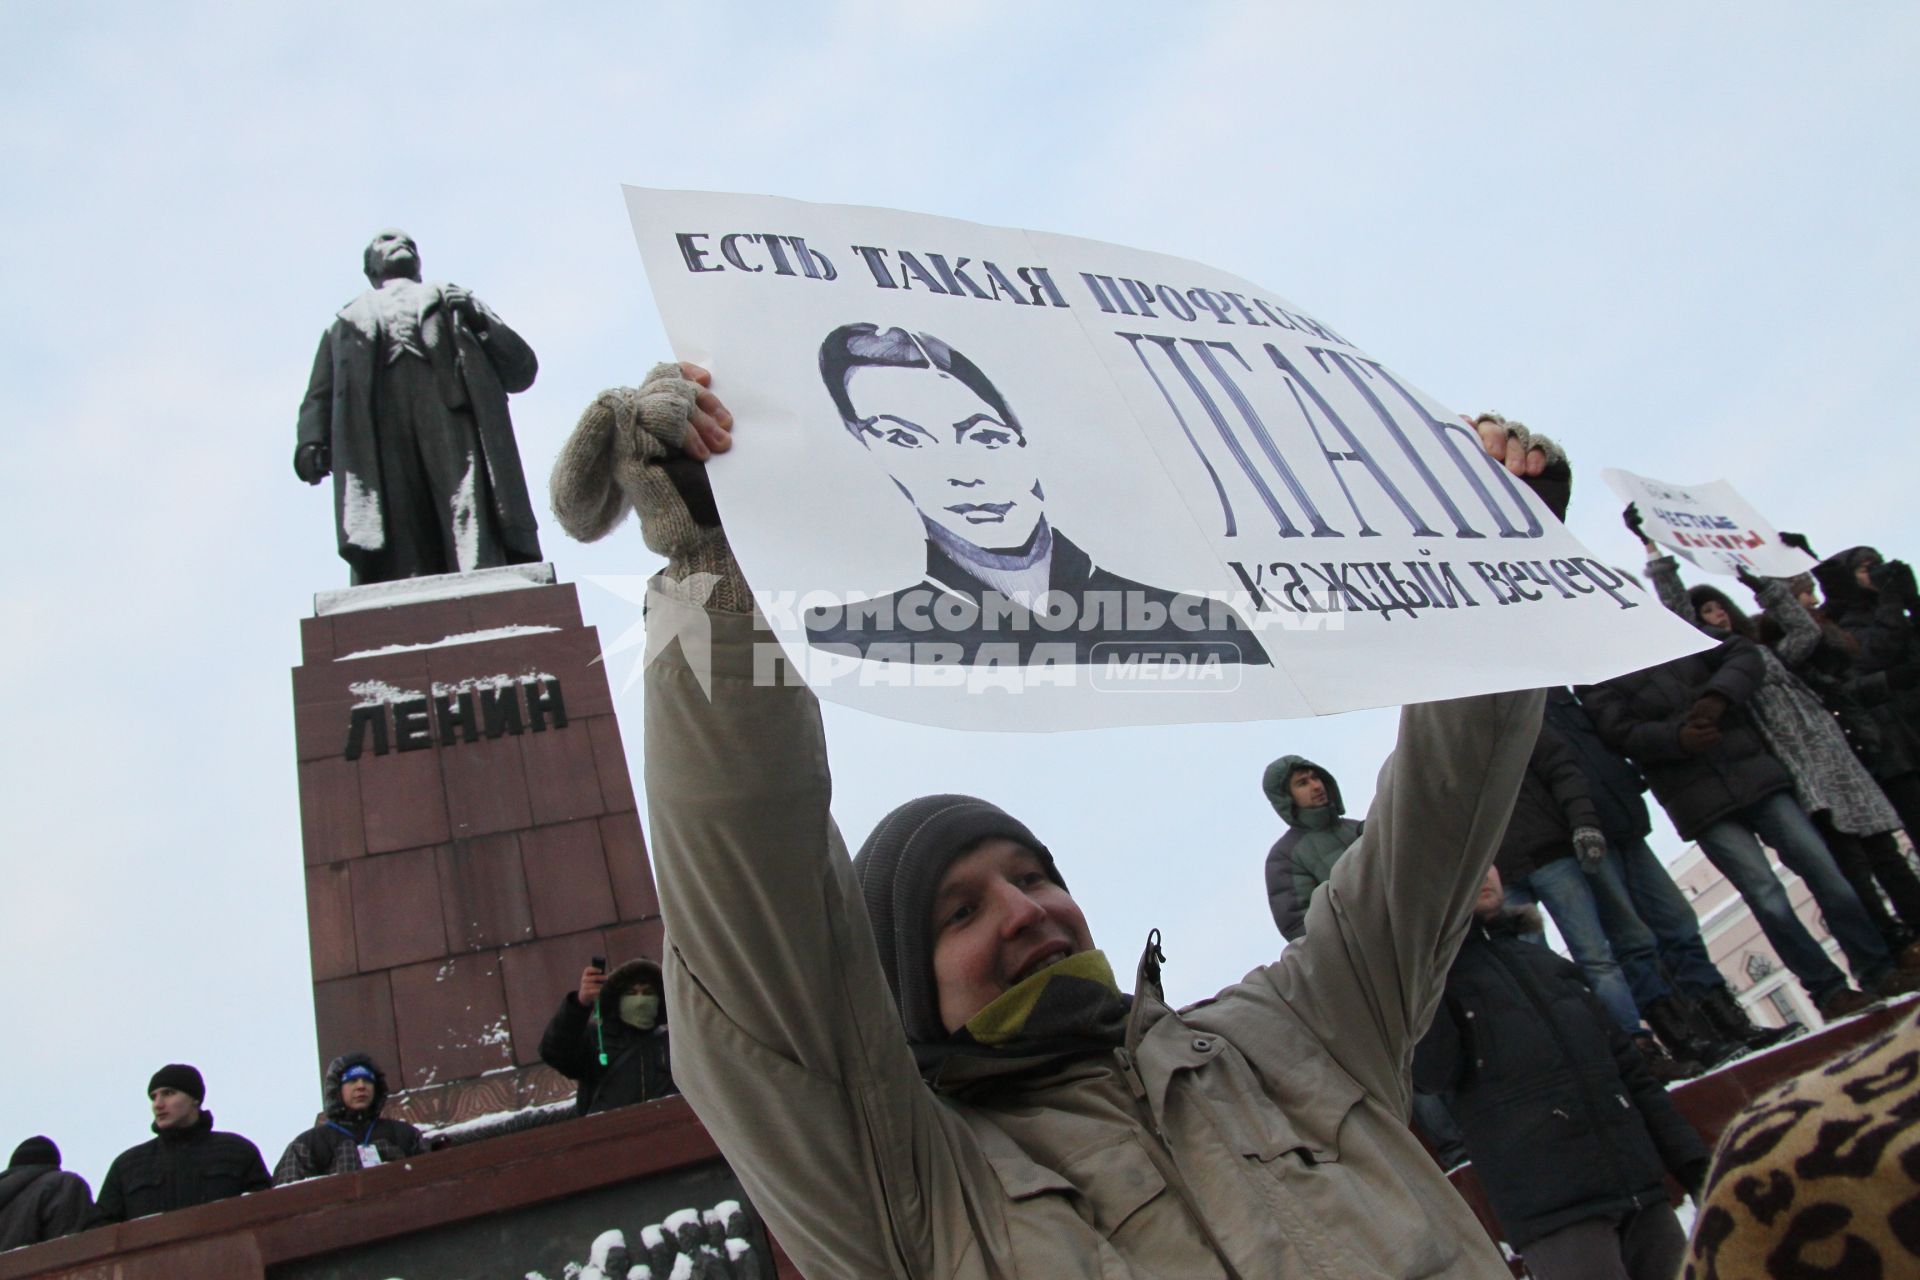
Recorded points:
1738,947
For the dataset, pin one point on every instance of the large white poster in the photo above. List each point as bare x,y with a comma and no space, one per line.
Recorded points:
1003,479
1709,524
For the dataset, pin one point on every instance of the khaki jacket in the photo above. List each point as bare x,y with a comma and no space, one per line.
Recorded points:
1261,1133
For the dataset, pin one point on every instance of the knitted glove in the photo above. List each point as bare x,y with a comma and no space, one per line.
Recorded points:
1590,847
625,455
1553,485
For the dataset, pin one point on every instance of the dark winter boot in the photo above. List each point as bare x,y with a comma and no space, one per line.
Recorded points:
1686,1038
1663,1066
1725,1016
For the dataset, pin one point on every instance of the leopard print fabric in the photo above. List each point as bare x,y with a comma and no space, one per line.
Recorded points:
1819,1179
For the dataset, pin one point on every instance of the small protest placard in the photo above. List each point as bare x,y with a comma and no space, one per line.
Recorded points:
1710,524
1002,479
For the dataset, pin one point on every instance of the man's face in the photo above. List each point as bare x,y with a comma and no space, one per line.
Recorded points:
997,919
393,256
357,1094
1863,573
173,1109
1308,788
963,465
1492,896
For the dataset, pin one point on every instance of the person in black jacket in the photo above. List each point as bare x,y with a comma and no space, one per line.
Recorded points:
1570,1136
1876,690
38,1199
1552,853
1684,723
1658,905
611,1036
188,1163
350,1132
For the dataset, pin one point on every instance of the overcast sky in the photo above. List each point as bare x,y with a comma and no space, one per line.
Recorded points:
1677,237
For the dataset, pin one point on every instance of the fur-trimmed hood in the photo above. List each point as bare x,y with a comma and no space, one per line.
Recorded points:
334,1108
1510,922
625,978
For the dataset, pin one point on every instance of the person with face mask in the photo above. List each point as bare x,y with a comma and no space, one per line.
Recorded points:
350,1132
610,1035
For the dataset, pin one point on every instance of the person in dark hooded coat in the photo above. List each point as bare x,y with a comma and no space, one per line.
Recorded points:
1571,1137
611,1036
1872,603
38,1199
350,1132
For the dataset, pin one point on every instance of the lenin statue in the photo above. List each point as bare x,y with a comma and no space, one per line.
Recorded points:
407,407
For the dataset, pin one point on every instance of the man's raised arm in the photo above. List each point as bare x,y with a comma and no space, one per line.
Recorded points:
786,1038
1382,933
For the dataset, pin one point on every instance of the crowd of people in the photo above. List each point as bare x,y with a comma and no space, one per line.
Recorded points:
918,1062
1791,730
1798,729
609,1036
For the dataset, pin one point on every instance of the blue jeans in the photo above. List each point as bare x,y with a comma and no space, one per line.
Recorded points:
1572,898
1661,906
1730,845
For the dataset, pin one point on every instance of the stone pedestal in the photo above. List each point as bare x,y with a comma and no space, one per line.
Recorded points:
469,827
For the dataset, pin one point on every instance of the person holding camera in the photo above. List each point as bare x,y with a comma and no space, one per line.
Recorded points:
610,1035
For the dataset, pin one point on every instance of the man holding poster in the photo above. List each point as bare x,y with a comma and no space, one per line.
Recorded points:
1034,1119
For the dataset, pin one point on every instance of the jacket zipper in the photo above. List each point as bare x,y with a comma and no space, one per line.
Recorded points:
1566,1055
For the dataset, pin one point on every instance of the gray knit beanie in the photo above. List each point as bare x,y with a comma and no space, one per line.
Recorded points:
900,866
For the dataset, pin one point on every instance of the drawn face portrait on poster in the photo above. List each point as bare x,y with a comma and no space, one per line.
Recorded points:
940,430
953,446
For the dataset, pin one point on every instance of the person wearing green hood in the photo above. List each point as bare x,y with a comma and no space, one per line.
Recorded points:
1308,800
